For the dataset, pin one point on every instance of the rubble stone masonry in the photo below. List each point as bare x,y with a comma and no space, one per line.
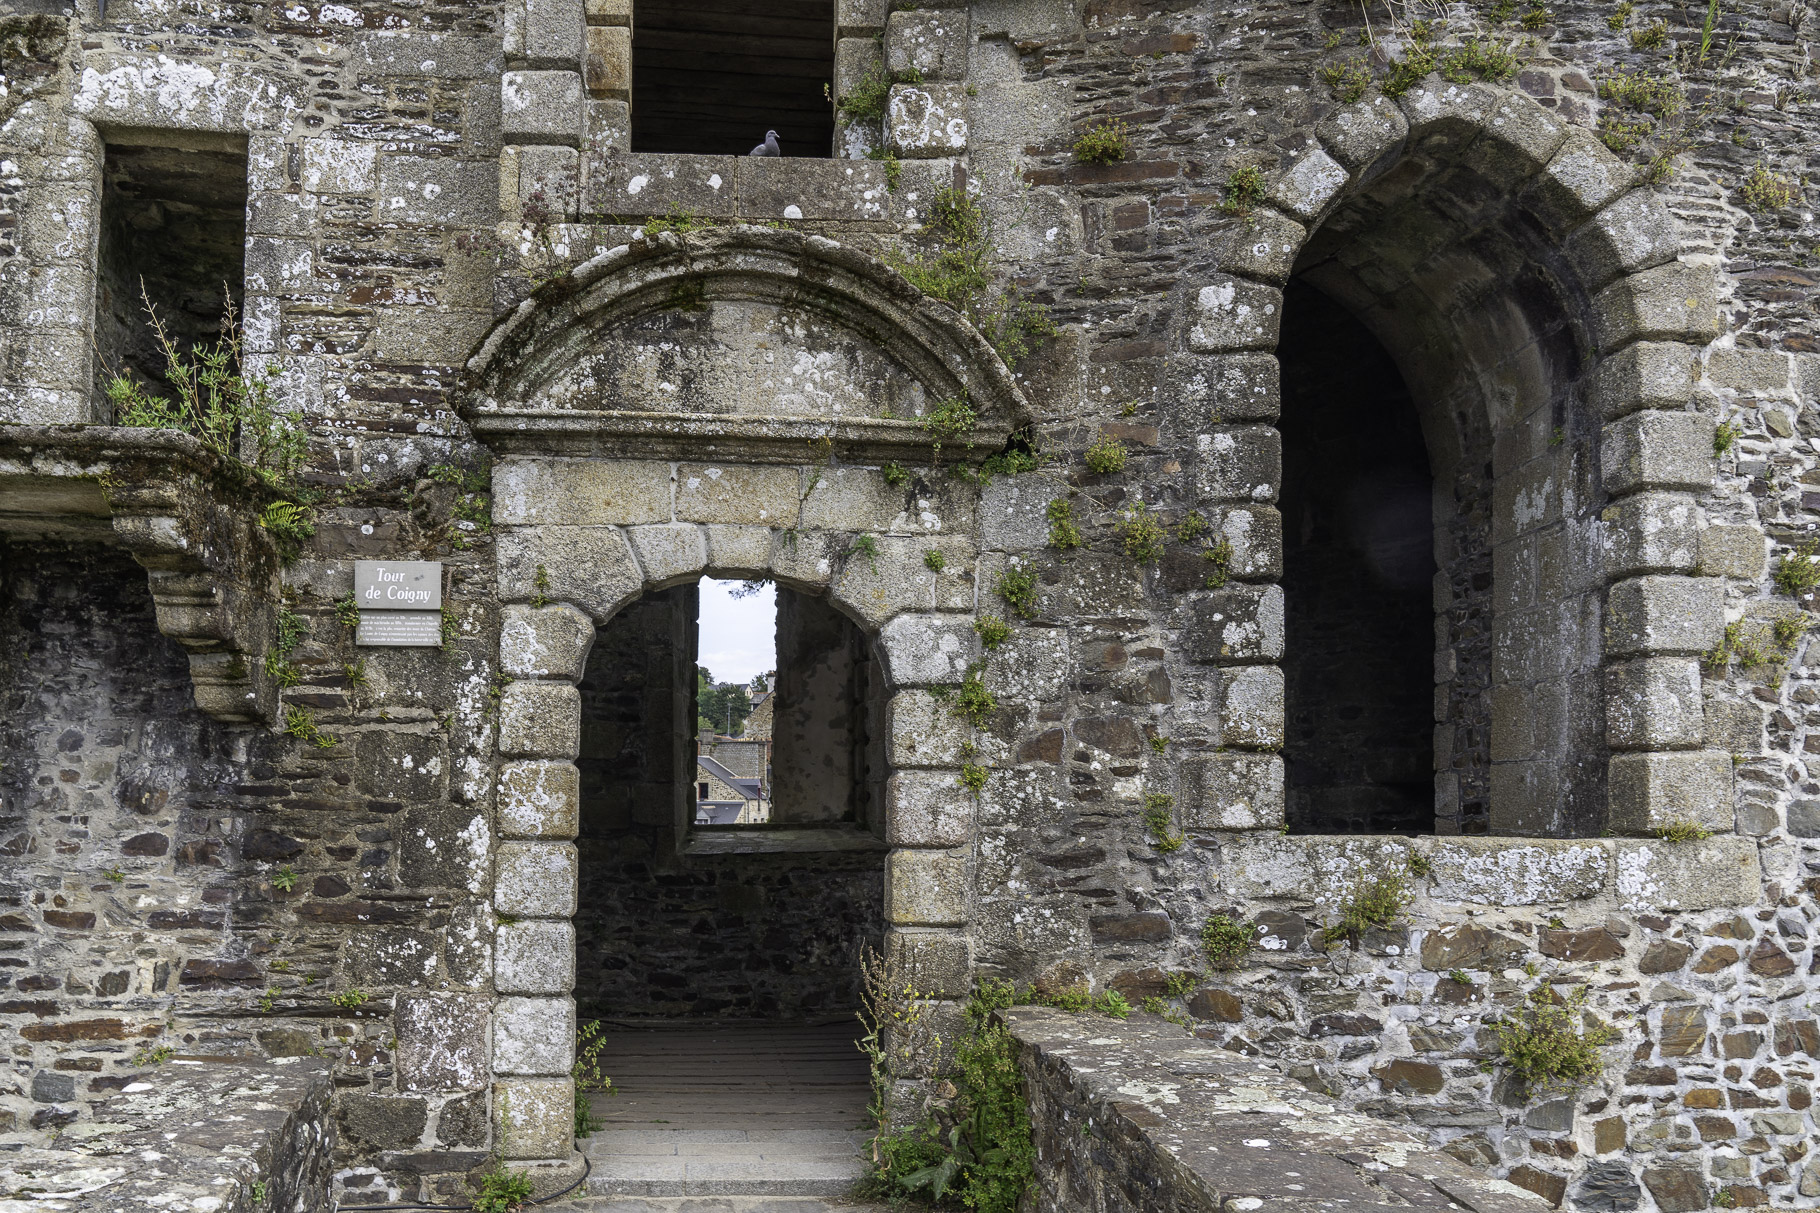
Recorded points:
578,374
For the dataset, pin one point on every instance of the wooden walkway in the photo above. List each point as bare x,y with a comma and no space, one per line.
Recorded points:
730,1109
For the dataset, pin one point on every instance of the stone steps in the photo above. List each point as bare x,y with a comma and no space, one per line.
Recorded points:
707,1204
724,1162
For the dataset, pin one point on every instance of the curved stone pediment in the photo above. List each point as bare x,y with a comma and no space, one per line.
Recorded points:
733,341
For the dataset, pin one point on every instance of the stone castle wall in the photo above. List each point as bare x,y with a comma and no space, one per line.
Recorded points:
447,264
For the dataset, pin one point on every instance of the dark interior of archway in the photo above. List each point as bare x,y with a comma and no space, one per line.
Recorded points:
1358,572
676,922
709,77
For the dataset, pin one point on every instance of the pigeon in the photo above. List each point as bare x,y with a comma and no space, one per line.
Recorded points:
768,147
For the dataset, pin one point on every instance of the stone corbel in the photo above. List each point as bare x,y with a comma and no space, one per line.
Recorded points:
187,516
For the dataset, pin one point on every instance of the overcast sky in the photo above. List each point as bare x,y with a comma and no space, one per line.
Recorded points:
738,637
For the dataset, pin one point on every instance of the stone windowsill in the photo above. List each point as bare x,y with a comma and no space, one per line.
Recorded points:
1628,875
779,840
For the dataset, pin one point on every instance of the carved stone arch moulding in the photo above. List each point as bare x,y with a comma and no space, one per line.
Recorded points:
578,539
1635,312
743,342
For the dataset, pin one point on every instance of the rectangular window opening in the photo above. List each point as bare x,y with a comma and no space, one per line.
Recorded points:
172,239
711,77
735,677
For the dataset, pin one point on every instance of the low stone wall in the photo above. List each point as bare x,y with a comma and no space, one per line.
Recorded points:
1139,1115
204,1135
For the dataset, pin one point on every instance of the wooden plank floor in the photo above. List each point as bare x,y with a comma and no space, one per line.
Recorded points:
733,1075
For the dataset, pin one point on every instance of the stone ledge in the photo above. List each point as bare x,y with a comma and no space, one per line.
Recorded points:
1141,1107
1628,874
187,516
198,1136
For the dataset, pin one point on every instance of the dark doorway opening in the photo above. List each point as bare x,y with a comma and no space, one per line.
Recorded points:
173,232
722,961
710,77
678,919
1358,580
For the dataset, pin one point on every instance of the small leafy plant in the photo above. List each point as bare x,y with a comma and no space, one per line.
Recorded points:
1244,190
1219,560
589,1041
973,777
1348,80
1142,534
992,630
1103,143
973,702
1017,586
1724,435
300,722
502,1191
867,546
154,1056
1226,941
347,611
1157,820
284,879
895,475
1374,902
934,561
1548,1043
1765,190
1107,455
350,998
1799,571
1064,534
1459,977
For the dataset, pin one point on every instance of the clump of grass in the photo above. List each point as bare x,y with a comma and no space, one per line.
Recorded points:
1684,830
1764,190
1107,455
1478,59
1157,820
1374,902
1348,80
1619,16
1064,533
300,722
1405,73
1103,143
1226,941
1460,977
1548,1043
1244,190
